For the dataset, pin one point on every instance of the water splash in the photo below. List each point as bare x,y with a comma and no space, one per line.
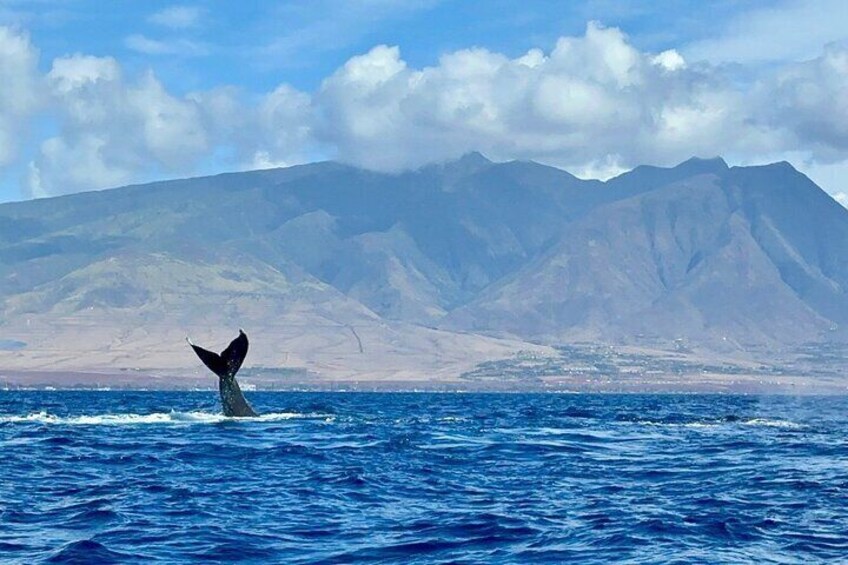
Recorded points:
172,417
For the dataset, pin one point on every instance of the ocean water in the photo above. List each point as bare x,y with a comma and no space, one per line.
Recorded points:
131,477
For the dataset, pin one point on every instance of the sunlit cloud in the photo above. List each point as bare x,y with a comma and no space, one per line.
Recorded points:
592,103
20,93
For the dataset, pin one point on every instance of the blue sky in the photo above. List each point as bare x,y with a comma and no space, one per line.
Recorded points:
103,94
258,45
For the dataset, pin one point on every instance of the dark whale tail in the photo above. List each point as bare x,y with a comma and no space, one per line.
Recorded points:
226,365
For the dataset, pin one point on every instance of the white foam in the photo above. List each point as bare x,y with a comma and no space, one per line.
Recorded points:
715,424
448,419
771,423
678,424
155,418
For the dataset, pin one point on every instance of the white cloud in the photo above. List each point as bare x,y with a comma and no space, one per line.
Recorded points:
593,99
181,46
284,125
594,104
274,131
115,131
80,163
601,169
791,30
263,160
112,131
670,60
177,17
19,90
76,73
809,102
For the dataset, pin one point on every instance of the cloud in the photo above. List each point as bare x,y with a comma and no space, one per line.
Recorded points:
115,131
177,17
807,102
275,130
112,130
181,46
593,104
593,100
20,91
670,60
792,30
284,124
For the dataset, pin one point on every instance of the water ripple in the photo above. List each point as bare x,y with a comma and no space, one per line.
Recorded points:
127,477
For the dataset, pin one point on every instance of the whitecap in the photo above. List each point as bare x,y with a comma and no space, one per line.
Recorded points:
678,424
765,422
771,423
448,419
172,417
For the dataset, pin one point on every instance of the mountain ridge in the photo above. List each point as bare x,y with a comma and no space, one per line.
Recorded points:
513,256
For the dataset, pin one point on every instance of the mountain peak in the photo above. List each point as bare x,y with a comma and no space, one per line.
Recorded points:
473,158
453,170
700,166
776,166
468,163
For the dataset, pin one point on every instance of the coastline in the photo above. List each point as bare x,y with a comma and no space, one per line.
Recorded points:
95,380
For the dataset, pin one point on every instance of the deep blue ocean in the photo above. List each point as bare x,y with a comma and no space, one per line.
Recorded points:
143,477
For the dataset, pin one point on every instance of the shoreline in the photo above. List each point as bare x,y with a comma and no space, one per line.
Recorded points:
95,381
387,391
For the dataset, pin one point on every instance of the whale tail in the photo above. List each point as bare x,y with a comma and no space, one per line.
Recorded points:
228,362
226,365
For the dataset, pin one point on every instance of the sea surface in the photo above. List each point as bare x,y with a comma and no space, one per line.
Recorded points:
145,477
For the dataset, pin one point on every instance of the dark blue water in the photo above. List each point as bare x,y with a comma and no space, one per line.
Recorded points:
92,477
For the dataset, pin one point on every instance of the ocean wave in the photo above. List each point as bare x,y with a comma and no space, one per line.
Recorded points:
172,417
719,479
757,422
772,423
679,424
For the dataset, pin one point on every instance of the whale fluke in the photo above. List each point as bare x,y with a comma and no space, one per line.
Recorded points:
226,365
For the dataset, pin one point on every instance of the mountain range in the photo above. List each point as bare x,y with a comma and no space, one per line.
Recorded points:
339,271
